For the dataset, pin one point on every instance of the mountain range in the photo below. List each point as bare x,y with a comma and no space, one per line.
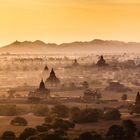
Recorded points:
94,46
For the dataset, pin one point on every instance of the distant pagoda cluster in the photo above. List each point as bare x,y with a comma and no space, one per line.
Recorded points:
53,81
100,63
42,91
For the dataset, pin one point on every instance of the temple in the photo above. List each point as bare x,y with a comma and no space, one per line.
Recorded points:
42,91
101,62
52,80
46,68
75,63
137,102
136,107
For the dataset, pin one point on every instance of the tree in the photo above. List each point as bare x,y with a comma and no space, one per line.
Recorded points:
42,128
8,135
62,124
115,132
124,97
49,118
129,129
90,136
52,136
86,115
34,138
138,134
113,114
19,121
60,110
28,132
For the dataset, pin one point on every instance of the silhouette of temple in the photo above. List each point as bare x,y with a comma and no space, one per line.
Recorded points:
42,91
137,102
46,68
75,63
136,108
42,86
52,80
101,62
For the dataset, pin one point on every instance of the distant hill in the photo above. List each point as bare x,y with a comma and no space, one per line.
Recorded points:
94,46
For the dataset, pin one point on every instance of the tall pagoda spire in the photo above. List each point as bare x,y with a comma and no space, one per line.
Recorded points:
137,104
42,85
52,79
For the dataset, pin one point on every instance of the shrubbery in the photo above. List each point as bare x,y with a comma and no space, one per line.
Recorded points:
59,123
28,132
60,110
86,115
8,135
113,114
19,121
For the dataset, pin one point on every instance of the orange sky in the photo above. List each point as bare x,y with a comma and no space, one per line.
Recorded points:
69,20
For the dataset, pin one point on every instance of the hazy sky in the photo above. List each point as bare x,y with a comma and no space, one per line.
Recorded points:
69,20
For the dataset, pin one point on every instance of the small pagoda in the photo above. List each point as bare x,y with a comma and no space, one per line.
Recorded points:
101,62
46,68
52,80
75,63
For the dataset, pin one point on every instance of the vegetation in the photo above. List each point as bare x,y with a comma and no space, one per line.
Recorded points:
27,133
113,114
60,110
19,121
8,135
86,115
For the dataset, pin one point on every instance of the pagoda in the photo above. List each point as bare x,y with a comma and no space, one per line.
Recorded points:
75,63
46,68
41,91
101,62
137,104
42,86
52,80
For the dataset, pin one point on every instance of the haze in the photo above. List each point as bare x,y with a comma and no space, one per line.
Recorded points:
65,21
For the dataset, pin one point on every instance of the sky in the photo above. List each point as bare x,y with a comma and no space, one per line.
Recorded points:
58,21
